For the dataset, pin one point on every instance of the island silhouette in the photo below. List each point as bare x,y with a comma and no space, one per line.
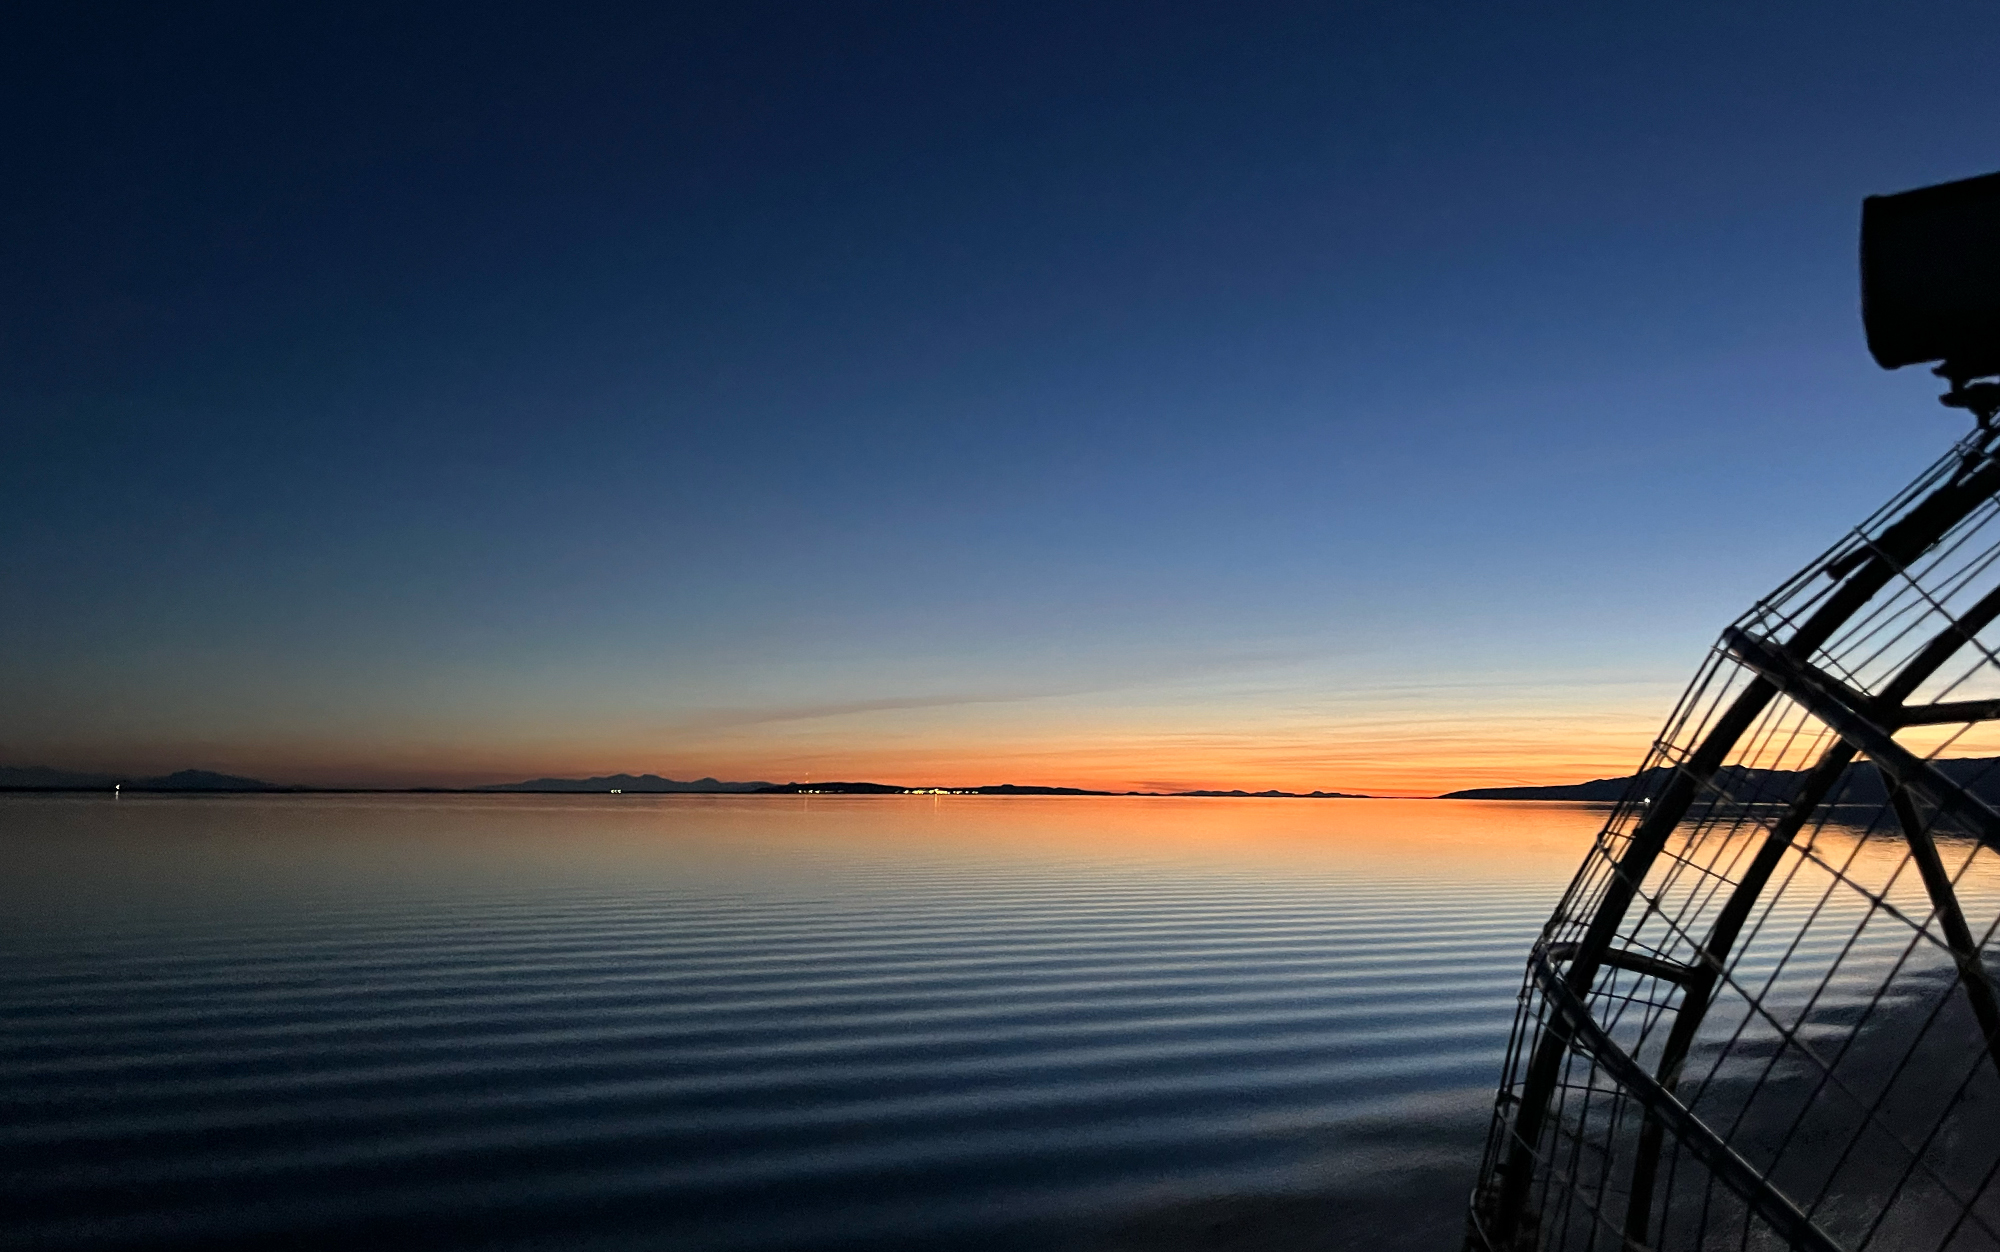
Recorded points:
41,778
1860,785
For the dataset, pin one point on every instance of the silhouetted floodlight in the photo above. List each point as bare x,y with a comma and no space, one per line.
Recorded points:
1766,1013
1930,281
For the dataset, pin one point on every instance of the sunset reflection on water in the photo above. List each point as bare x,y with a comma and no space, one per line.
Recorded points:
757,1022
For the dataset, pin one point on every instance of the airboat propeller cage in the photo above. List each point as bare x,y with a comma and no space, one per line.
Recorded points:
1766,1011
1930,277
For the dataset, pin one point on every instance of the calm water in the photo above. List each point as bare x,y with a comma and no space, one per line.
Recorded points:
757,1023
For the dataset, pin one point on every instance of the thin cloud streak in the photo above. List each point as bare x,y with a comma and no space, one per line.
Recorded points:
1156,675
718,719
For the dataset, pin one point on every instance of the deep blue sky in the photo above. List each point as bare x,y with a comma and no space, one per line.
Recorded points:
1318,395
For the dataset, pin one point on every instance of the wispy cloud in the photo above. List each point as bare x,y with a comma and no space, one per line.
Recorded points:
717,719
1129,676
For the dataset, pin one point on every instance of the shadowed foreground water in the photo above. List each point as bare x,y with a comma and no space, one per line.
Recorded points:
757,1022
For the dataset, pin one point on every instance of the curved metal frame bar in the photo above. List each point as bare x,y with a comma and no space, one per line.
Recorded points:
1773,1205
1698,988
1916,531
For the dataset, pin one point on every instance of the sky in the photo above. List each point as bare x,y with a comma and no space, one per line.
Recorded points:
1388,398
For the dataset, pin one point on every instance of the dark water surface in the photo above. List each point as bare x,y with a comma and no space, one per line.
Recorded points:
757,1022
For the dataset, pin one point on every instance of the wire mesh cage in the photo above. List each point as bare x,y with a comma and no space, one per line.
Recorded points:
1764,1013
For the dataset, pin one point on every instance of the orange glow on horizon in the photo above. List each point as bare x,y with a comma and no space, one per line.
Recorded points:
1384,757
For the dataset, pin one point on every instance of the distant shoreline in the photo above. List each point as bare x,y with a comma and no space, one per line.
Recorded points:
1005,789
14,779
39,779
208,782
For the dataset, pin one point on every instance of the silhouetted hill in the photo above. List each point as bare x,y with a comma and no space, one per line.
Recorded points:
1861,784
1604,789
36,778
1016,789
201,780
831,788
893,789
1280,795
627,782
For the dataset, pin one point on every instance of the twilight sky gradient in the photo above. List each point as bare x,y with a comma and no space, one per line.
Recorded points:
1374,397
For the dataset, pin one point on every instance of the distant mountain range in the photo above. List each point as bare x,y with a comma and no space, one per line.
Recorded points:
1284,795
1014,789
628,782
1861,784
1605,789
895,789
35,778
